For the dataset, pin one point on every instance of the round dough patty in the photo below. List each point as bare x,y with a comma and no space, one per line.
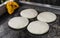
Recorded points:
46,17
18,22
38,27
29,13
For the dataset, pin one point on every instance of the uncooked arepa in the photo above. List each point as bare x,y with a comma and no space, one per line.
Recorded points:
38,27
46,17
18,22
29,13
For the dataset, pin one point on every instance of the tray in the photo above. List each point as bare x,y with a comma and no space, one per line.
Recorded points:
2,10
7,32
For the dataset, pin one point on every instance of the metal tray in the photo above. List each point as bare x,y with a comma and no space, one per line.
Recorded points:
2,10
7,32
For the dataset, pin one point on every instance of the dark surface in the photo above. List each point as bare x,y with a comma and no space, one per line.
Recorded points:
51,2
2,10
7,32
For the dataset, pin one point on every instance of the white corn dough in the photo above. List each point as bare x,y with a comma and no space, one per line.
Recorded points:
18,22
46,17
38,27
29,13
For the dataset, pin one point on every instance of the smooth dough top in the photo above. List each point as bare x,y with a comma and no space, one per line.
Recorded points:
29,13
38,27
46,17
18,22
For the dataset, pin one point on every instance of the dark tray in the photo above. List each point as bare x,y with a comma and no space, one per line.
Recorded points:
7,32
2,10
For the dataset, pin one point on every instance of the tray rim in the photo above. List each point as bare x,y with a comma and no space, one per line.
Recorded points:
39,4
5,3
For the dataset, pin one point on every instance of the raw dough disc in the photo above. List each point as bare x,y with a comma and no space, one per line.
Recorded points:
29,13
18,22
46,17
38,27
